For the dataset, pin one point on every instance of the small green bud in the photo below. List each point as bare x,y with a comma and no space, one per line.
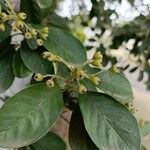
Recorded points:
34,32
81,89
14,28
22,16
39,42
141,123
38,77
79,73
98,55
94,79
45,30
52,57
50,83
20,24
114,69
2,27
28,35
45,36
46,55
96,62
3,15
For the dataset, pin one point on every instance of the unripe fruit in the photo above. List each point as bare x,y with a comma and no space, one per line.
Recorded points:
22,16
39,42
96,62
50,83
2,27
81,89
46,55
94,80
38,77
28,35
98,55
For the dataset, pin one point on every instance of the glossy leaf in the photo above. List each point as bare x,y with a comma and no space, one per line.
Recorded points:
19,68
78,136
34,61
66,46
29,115
49,142
37,9
115,85
6,72
109,124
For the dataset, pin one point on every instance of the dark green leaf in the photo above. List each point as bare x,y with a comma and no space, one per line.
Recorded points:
6,72
109,123
36,10
19,68
4,34
66,46
34,61
57,21
5,46
29,115
78,136
116,85
49,142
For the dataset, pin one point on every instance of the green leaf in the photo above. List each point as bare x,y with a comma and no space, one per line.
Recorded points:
34,61
29,115
57,21
19,68
36,10
109,123
78,136
115,85
4,34
66,46
6,72
5,46
146,129
49,142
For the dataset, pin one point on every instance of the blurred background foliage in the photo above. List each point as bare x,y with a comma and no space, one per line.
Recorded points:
113,27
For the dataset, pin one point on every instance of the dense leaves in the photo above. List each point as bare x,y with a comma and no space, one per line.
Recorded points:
29,115
37,9
109,124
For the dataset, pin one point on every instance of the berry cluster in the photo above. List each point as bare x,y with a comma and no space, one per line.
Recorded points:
17,22
77,74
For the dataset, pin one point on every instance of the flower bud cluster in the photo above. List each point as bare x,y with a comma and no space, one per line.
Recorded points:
97,59
17,21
